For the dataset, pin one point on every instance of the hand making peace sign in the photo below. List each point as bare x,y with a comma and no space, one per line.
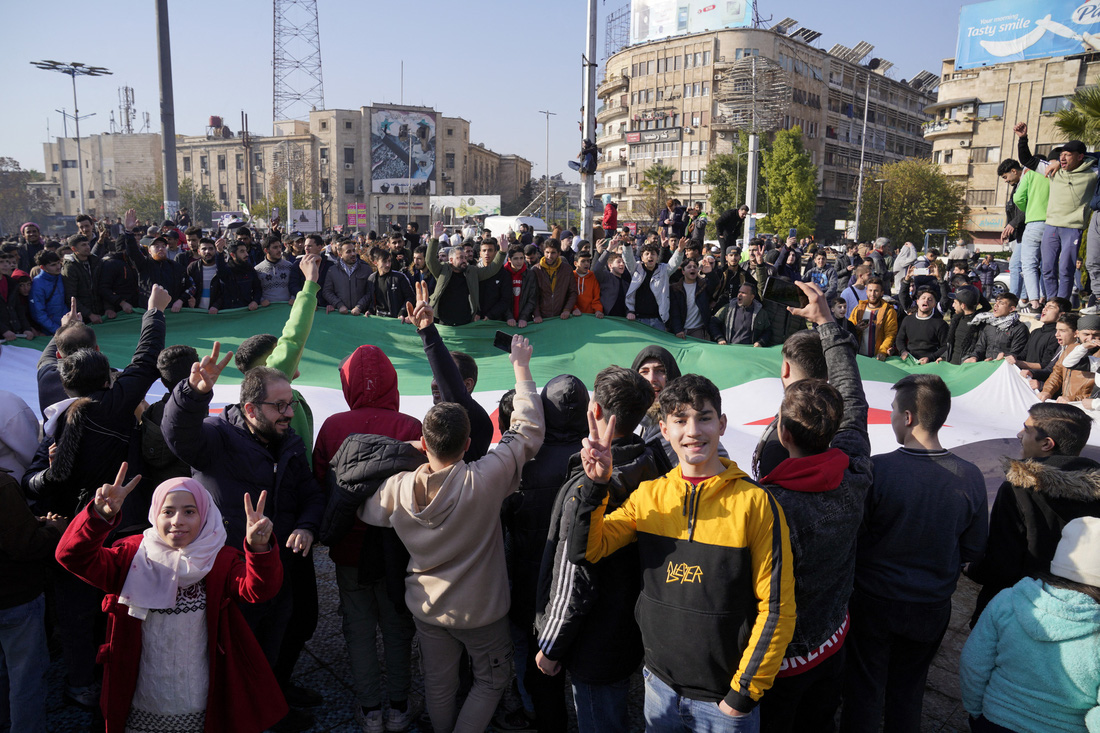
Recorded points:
596,449
205,373
258,528
109,497
421,315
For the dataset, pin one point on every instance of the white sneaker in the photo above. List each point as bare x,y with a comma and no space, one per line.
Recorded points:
1091,311
372,722
398,720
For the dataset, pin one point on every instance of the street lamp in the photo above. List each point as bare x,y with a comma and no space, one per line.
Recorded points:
878,224
546,206
74,69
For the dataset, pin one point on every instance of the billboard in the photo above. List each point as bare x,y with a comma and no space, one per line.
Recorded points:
653,19
1003,31
396,136
462,206
668,134
357,216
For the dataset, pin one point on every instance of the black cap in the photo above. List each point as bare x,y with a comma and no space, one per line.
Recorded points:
1074,146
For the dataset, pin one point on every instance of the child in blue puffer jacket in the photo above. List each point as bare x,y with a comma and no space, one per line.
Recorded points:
1032,663
48,292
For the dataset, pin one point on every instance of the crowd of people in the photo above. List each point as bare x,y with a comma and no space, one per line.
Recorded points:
604,531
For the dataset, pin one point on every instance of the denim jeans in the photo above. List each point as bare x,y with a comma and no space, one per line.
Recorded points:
666,711
601,708
1059,259
365,609
656,323
1092,255
1031,285
1015,282
24,660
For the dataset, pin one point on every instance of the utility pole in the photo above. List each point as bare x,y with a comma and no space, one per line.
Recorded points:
862,152
546,202
878,224
167,113
588,180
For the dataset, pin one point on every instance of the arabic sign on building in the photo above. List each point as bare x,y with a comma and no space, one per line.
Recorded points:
667,135
463,206
1003,31
653,19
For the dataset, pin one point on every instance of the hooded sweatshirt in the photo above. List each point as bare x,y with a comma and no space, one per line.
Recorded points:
1032,664
1070,192
457,574
588,293
369,382
649,429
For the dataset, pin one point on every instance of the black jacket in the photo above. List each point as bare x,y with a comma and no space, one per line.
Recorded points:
1036,500
236,287
993,341
526,514
677,309
118,282
495,296
453,389
14,314
194,276
1042,348
169,274
585,612
359,468
728,226
230,462
397,289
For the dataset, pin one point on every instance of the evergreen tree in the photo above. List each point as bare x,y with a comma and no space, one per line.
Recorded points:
792,182
916,196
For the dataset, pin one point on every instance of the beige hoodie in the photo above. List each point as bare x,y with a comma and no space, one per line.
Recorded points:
457,575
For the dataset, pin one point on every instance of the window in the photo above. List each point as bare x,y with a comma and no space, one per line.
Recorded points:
324,154
450,132
695,90
68,164
110,193
660,66
349,155
347,124
91,194
187,165
981,198
706,58
223,193
650,67
991,109
698,59
676,63
706,89
239,161
450,161
324,186
258,161
55,167
221,162
324,124
696,120
202,162
240,190
985,155
349,185
1053,104
687,60
72,194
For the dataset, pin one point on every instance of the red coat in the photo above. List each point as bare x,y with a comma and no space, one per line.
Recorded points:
369,382
610,219
244,695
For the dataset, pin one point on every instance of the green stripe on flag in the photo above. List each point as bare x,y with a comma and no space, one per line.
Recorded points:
579,346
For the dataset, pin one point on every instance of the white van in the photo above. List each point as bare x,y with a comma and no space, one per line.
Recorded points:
499,225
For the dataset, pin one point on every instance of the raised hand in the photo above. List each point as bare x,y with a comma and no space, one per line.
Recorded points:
109,497
421,315
521,351
310,265
204,375
817,309
1020,128
257,527
159,299
72,315
596,449
131,220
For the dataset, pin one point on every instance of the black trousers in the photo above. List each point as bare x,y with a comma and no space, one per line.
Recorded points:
890,647
805,702
302,579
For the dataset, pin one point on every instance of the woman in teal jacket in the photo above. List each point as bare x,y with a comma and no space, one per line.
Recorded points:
1032,663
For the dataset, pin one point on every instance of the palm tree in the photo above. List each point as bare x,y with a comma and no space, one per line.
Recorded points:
659,182
1081,121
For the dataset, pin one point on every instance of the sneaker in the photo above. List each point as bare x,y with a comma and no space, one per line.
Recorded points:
515,721
1091,310
295,721
400,720
302,697
372,722
86,698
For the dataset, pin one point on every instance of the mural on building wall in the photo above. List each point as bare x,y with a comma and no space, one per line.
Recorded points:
396,136
1003,31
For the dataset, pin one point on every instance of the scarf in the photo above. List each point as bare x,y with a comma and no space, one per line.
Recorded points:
1001,323
158,569
517,286
551,270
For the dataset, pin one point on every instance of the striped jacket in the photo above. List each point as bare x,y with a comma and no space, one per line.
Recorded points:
717,605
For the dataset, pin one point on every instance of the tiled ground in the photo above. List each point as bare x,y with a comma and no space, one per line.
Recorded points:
324,668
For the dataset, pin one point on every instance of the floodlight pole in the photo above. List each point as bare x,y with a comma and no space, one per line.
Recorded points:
750,168
862,152
546,195
588,180
79,154
167,115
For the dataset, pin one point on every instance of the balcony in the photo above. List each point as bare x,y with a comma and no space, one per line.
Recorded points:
941,128
611,84
955,170
606,113
612,162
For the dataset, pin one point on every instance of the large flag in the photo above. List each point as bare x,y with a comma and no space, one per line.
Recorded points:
989,404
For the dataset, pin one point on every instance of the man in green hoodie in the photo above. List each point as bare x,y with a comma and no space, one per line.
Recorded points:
1071,189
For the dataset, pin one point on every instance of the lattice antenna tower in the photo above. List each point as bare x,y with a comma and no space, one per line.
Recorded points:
617,35
753,94
296,63
126,112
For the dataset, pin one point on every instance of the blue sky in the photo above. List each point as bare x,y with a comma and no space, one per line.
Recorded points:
493,62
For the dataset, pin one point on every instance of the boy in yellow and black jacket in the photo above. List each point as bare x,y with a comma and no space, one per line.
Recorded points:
717,606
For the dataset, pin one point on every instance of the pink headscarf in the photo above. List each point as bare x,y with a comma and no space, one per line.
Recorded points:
158,569
22,229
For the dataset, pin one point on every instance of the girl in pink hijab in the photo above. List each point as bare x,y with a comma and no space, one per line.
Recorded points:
177,657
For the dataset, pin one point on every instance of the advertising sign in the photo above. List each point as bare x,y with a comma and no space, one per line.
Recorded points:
463,206
1018,30
305,221
667,135
396,138
357,215
653,19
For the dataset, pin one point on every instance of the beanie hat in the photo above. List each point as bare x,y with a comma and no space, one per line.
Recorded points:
1078,555
967,295
1088,323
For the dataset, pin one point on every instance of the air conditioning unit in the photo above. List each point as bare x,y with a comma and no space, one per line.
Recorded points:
964,143
631,164
348,166
257,168
203,169
637,187
967,109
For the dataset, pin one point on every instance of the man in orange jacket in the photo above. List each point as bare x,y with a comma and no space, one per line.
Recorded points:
588,287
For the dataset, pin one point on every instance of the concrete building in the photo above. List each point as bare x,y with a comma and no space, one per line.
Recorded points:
973,116
515,172
659,106
110,163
